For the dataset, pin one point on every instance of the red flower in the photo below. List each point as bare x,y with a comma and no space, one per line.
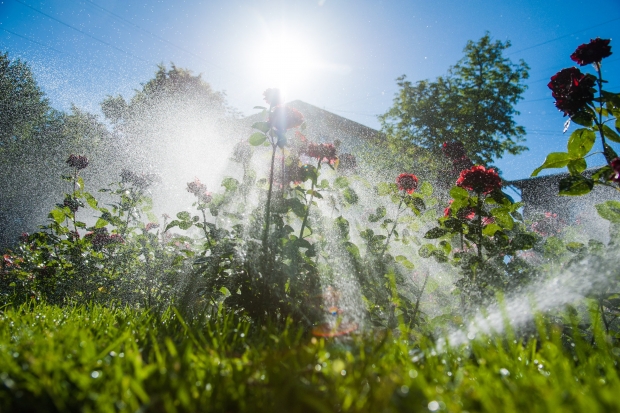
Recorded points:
592,52
323,151
283,118
454,150
77,161
273,97
407,182
572,90
615,165
479,179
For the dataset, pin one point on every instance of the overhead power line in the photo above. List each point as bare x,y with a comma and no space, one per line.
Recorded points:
30,40
160,38
82,32
563,37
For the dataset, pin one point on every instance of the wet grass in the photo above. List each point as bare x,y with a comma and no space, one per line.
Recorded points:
115,359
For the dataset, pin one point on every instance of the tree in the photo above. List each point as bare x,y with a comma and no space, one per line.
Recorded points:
35,142
174,125
474,103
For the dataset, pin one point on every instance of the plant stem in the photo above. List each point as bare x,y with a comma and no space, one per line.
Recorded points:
387,240
269,193
599,122
479,213
204,226
304,222
417,303
600,303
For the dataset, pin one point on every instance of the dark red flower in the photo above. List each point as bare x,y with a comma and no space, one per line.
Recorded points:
462,163
454,150
592,52
407,182
273,97
479,179
325,152
71,203
572,90
100,238
282,118
77,161
615,165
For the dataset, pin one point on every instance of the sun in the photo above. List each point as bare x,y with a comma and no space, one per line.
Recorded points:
284,61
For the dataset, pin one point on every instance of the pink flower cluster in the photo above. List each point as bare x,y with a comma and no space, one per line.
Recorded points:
199,190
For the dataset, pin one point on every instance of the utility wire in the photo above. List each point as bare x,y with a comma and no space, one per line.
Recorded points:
30,40
81,31
161,38
562,37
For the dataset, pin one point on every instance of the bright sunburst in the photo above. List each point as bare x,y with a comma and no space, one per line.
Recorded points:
284,61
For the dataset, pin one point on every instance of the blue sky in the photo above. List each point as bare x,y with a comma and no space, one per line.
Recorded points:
344,55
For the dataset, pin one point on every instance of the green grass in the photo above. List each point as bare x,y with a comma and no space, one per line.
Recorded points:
103,359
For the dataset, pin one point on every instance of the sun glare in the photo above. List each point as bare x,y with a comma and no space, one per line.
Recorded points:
284,61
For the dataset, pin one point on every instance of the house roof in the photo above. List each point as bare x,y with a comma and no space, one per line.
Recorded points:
322,120
547,179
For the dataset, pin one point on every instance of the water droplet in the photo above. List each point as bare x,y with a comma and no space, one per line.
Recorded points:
95,374
404,389
433,406
413,374
343,373
504,372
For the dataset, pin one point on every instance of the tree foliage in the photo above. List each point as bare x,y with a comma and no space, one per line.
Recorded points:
474,103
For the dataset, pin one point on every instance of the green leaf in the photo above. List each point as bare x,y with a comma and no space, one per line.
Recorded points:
57,215
350,196
577,166
385,189
101,223
576,185
426,250
523,241
380,213
580,143
257,139
262,126
185,224
230,184
553,160
341,182
436,233
618,123
503,218
458,193
611,134
583,118
491,229
343,226
316,194
609,210
184,216
426,189
80,182
172,224
91,200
